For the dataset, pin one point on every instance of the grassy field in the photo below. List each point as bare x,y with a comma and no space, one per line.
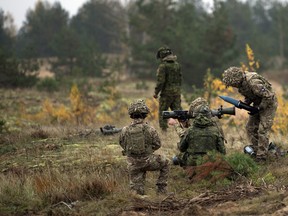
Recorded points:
49,166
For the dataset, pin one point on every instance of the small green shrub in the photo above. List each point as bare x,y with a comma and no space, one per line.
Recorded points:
242,164
48,84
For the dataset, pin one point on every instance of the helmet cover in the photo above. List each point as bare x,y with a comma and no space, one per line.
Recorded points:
163,52
138,107
195,103
233,76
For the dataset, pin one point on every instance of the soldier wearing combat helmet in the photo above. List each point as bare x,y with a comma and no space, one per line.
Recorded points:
257,91
180,127
139,140
233,76
195,103
138,109
169,80
202,136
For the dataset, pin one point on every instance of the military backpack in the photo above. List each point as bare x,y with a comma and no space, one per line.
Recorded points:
138,140
202,135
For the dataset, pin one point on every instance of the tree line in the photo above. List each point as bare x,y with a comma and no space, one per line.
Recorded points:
201,38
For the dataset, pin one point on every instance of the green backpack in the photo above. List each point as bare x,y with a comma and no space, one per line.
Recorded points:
137,140
203,135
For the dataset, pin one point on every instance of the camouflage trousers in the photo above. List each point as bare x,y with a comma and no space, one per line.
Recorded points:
165,102
259,127
138,167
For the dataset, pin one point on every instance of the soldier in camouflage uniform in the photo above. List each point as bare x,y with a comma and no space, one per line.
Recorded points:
257,90
194,106
169,79
139,140
202,136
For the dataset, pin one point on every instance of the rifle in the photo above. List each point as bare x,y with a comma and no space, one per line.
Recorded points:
241,105
183,115
109,130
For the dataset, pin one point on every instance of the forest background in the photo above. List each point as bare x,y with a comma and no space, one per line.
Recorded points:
82,45
62,78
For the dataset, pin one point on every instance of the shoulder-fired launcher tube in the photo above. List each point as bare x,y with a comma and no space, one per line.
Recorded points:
184,115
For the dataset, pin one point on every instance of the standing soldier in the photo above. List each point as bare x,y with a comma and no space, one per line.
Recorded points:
169,79
139,140
257,90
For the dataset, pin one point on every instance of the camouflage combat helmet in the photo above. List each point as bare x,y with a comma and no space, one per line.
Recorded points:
195,103
202,109
163,52
138,107
233,76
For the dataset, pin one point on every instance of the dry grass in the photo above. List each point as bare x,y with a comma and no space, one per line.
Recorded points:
70,169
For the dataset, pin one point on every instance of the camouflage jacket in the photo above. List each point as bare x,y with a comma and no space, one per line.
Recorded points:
169,77
202,136
180,130
152,139
257,90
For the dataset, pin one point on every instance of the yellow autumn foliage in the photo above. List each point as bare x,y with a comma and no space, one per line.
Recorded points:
48,108
281,118
253,65
77,105
77,112
60,114
153,105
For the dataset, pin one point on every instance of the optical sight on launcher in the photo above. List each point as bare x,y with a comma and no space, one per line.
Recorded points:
184,115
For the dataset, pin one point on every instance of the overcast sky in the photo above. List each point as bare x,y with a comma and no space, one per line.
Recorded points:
18,8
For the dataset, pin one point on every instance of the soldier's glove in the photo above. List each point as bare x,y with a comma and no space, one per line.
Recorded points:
155,96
